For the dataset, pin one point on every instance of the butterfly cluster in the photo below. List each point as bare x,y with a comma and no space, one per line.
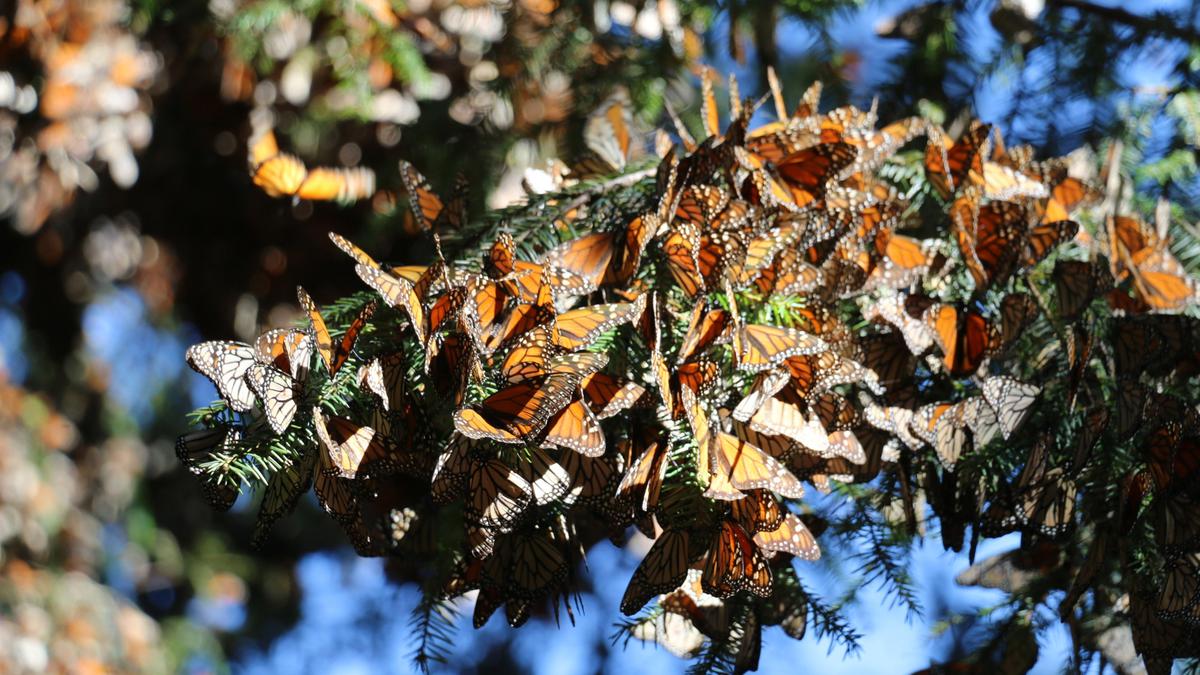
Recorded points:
76,101
756,324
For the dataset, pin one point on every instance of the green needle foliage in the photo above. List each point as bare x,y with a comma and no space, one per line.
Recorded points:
1009,368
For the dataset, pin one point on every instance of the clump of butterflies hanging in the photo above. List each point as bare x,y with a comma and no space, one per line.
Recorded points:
759,323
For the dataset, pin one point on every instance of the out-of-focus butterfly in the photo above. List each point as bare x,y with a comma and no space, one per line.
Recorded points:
1158,277
608,135
282,175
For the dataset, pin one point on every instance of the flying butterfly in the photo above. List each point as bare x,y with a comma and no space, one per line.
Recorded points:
282,175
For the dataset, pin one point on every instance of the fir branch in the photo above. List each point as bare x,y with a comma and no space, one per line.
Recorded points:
432,625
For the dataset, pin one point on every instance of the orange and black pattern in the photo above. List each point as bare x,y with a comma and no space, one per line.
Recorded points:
774,318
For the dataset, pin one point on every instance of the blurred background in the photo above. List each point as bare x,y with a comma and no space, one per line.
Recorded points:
130,229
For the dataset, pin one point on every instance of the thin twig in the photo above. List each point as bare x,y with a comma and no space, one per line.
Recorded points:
611,184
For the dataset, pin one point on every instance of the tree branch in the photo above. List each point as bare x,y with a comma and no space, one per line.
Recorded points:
1159,22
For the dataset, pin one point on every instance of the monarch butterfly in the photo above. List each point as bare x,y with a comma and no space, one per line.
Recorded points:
287,485
1160,641
950,166
877,147
893,308
763,249
735,564
760,347
1152,343
1042,239
578,328
661,571
452,362
1076,284
758,512
333,356
548,481
777,94
196,448
335,494
989,237
586,261
966,338
778,418
1175,524
538,565
606,395
904,261
944,426
685,137
1172,459
277,392
576,428
520,411
894,420
226,363
642,482
428,209
608,135
527,356
287,350
836,412
702,204
806,173
1159,278
1011,400
886,355
791,537
1066,196
744,466
813,375
1042,501
699,261
384,376
704,329
718,484
523,317
766,384
282,175
354,450
790,274
496,495
592,479
1004,183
